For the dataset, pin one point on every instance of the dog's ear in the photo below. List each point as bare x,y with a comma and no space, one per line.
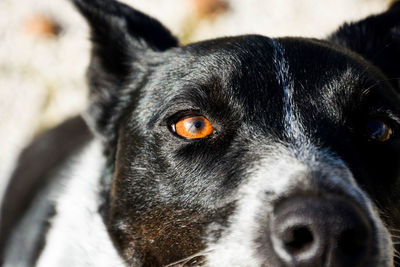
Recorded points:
376,38
121,39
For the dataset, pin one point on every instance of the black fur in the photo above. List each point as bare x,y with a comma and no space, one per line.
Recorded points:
231,82
383,49
163,192
121,40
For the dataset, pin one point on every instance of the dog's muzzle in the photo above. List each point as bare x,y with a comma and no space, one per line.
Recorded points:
294,212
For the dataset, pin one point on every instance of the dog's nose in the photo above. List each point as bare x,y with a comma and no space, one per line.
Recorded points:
313,231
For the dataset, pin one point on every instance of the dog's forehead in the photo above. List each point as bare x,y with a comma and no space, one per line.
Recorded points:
261,74
253,65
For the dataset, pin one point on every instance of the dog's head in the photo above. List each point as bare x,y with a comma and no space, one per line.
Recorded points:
248,151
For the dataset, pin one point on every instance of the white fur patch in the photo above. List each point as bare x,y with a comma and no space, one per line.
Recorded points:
78,236
293,127
237,246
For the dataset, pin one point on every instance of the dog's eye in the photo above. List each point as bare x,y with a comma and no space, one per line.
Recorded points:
378,130
193,127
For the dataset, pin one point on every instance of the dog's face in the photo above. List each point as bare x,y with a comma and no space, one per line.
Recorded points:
248,151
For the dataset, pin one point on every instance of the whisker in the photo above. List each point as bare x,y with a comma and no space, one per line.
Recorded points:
389,79
182,262
396,254
396,257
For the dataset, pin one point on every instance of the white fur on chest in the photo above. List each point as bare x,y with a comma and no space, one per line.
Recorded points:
78,236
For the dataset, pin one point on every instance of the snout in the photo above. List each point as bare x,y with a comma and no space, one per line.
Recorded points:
320,231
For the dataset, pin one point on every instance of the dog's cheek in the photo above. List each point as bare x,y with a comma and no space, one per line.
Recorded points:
160,237
151,233
147,230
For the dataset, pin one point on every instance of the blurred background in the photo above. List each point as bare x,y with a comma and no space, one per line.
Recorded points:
44,50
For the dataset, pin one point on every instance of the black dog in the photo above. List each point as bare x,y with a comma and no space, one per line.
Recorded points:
241,151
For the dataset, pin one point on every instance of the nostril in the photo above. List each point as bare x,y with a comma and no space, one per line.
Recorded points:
297,239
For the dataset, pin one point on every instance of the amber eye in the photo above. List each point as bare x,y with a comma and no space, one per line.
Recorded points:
193,127
378,130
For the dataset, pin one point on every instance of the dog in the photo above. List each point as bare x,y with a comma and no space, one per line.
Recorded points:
237,151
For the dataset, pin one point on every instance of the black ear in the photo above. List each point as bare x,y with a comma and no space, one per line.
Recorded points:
376,38
121,39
